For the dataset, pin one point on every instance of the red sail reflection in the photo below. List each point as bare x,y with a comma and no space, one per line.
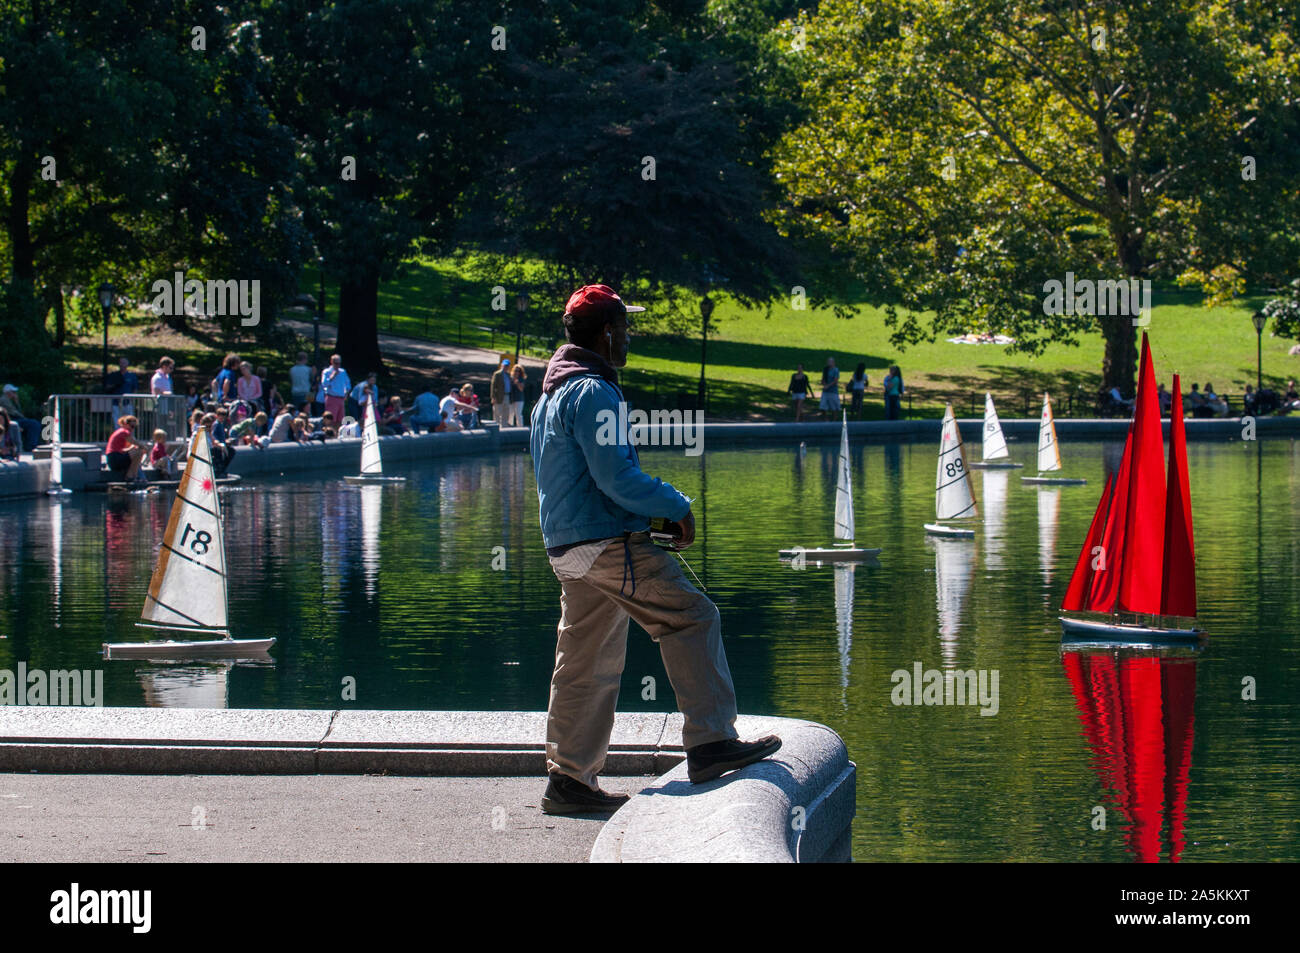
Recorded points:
1137,715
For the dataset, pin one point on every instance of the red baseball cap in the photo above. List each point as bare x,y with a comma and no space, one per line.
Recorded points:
596,300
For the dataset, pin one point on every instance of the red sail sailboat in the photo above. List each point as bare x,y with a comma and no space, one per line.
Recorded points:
1139,559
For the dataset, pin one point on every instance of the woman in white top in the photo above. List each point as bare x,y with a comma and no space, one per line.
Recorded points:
249,385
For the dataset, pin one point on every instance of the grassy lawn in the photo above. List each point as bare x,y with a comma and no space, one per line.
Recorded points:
751,356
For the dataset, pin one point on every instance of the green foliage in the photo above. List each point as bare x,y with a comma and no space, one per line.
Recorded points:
1284,311
28,358
959,154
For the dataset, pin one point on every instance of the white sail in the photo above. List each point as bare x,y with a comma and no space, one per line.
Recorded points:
995,516
953,496
954,571
372,498
844,617
56,450
1049,454
844,488
370,462
995,444
188,588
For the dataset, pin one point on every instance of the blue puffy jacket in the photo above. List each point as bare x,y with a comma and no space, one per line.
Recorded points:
589,488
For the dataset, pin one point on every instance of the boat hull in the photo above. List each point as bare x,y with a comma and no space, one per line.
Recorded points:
1054,481
1124,633
842,554
168,649
956,532
361,479
58,491
995,465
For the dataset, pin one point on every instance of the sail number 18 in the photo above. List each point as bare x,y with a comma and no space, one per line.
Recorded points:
201,541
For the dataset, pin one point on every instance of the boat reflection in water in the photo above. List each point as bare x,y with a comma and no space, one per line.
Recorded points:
1136,706
187,685
954,572
844,621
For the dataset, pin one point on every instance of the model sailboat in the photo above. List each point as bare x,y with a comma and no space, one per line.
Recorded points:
56,487
994,442
188,590
1049,451
953,497
372,467
1139,557
845,551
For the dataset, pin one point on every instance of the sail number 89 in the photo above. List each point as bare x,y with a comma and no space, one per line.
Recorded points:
201,541
954,468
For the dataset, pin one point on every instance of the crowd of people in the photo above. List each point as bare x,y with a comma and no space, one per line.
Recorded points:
240,407
855,391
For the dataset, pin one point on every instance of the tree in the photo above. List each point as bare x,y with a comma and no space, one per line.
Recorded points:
959,156
383,99
630,161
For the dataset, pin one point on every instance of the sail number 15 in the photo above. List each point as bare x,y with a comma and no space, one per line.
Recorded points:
201,541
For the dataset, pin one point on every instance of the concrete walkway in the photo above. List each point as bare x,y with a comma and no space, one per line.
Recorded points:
419,349
48,818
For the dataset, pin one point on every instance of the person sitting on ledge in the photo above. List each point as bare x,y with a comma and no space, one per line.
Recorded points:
390,422
595,504
469,418
123,454
159,460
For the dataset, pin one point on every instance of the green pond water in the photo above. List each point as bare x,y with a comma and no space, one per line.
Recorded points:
396,588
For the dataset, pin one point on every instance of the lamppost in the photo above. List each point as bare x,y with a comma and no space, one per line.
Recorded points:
706,309
106,295
1259,319
521,305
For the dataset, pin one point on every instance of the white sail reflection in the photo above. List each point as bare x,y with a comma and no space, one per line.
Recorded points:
954,572
187,686
1049,510
844,618
995,516
371,510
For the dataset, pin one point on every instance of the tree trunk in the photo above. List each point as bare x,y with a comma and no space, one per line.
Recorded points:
358,340
1119,364
20,235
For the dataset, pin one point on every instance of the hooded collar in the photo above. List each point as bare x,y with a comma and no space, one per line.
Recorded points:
571,361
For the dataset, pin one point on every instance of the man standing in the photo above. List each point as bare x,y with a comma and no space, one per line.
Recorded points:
500,393
595,505
334,382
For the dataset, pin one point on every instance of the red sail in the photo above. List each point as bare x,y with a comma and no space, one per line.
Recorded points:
1076,594
1104,587
1142,560
1178,590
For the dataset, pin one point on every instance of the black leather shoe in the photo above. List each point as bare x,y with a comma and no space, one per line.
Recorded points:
566,795
706,762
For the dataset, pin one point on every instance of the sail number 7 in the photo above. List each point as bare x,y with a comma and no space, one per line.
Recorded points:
201,541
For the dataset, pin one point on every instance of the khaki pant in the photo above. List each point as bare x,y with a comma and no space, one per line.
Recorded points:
501,413
592,648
